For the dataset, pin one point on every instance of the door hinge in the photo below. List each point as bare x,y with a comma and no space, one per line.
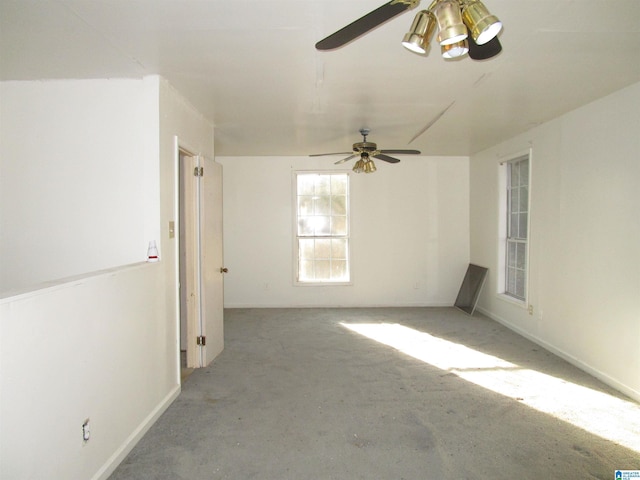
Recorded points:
201,340
198,172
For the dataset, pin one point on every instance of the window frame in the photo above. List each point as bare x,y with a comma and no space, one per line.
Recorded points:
504,237
297,237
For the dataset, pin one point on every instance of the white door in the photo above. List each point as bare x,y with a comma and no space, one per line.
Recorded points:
204,287
212,268
190,261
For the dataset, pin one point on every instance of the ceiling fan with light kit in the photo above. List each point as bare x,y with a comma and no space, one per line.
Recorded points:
367,151
464,26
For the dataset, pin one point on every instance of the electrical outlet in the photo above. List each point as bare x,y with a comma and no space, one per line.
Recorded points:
86,432
530,309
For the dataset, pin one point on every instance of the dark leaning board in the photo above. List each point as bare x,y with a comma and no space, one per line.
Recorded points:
470,288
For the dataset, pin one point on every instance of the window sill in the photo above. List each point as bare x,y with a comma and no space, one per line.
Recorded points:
513,301
322,284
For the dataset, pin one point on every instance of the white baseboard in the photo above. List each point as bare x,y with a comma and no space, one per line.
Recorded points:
119,455
612,382
386,305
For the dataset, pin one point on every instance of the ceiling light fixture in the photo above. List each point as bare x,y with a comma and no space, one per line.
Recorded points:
455,50
482,25
464,26
365,164
450,26
369,166
418,38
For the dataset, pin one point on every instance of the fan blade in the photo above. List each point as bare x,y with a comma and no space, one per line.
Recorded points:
402,152
482,52
386,158
364,24
345,159
323,154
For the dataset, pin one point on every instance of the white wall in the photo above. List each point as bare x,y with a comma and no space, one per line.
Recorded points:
409,233
73,195
92,347
103,345
584,283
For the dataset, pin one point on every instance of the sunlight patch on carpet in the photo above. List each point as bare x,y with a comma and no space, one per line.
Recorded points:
604,415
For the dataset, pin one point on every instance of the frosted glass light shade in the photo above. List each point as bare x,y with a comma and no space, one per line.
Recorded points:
455,50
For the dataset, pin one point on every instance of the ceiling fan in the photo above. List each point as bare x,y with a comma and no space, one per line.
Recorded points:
464,26
367,150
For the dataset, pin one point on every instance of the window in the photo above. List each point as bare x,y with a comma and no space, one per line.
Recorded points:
517,227
322,227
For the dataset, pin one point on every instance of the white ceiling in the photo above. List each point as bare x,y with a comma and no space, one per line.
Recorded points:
251,67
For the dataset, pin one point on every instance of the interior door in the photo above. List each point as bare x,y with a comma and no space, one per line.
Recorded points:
190,261
212,268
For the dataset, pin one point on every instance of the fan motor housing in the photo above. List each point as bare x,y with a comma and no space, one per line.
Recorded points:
364,147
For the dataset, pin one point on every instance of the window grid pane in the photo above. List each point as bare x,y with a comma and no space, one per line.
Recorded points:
322,260
338,205
339,226
322,205
322,228
517,228
305,205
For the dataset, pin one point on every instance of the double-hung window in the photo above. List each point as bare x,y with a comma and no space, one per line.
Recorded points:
517,227
322,228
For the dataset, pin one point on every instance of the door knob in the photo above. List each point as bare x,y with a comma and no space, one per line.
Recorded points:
223,270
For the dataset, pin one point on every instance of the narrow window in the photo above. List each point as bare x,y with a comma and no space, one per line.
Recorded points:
517,227
322,227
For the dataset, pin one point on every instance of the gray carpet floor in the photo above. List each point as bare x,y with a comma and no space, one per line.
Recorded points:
296,395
